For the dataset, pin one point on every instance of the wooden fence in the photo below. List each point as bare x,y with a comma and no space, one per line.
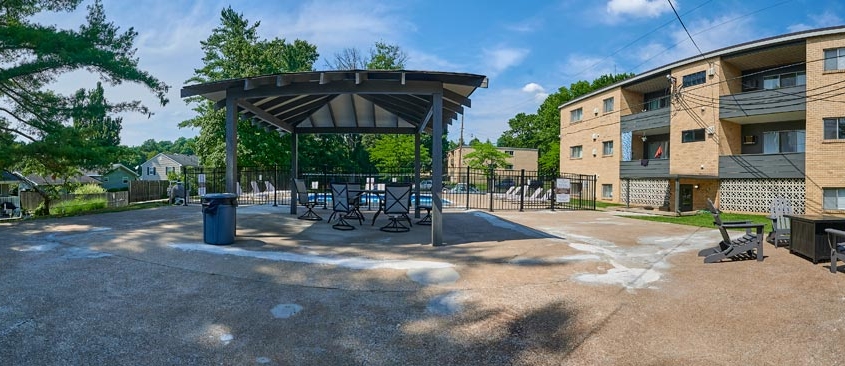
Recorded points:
148,190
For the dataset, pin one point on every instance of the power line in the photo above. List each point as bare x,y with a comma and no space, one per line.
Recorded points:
685,28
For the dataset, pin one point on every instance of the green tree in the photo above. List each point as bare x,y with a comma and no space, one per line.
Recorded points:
542,130
485,155
234,50
386,56
392,153
54,134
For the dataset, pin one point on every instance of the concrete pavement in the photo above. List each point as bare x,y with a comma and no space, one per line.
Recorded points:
533,288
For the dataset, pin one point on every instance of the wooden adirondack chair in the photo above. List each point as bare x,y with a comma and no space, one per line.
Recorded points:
780,234
743,247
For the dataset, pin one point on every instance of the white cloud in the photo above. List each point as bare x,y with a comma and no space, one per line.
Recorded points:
497,60
333,25
822,20
638,8
419,60
537,90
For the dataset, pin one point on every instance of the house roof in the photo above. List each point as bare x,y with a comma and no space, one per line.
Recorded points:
183,160
119,166
349,101
9,177
42,180
735,50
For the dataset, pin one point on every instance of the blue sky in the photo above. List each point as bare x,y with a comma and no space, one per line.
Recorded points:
527,48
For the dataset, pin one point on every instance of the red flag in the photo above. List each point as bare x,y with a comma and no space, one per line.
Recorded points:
659,152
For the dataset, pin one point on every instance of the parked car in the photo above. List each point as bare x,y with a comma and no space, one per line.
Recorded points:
462,188
505,183
535,183
425,185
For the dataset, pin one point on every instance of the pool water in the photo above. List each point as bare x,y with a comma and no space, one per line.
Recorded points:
369,198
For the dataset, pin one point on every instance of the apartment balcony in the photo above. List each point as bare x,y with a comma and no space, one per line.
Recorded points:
647,120
646,168
762,166
784,104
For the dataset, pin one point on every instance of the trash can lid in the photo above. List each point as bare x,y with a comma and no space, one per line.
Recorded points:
212,196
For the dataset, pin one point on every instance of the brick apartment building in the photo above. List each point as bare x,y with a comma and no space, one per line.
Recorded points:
520,158
740,125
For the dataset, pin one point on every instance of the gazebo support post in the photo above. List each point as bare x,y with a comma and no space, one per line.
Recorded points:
231,144
437,170
417,165
294,168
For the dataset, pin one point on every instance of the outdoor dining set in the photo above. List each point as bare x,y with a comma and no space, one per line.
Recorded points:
348,200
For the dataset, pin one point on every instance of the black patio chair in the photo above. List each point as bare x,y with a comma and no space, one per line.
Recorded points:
305,200
397,204
749,245
341,207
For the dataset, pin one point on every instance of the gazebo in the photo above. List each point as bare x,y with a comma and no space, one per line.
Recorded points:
350,101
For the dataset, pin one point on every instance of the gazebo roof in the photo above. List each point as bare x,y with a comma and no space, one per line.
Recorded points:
349,101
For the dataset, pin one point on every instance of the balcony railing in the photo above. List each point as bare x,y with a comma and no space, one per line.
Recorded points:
785,165
762,102
646,120
646,168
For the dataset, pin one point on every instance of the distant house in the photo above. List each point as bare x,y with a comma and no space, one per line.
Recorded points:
115,179
161,164
34,180
9,182
518,158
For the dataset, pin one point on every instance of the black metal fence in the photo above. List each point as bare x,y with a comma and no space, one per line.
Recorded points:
467,189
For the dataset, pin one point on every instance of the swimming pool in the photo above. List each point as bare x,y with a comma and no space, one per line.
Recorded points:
369,198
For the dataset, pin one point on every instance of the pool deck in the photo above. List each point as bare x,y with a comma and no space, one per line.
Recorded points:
523,288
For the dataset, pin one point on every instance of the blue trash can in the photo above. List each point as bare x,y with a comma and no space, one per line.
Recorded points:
218,218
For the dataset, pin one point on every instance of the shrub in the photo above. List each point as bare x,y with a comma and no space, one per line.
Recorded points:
90,188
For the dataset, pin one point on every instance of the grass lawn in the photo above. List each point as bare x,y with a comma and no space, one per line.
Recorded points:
705,219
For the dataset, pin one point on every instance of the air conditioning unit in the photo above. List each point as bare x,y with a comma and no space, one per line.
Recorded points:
711,71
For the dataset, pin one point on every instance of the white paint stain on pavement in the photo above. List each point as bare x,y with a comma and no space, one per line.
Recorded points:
346,262
445,304
226,338
284,311
35,248
433,276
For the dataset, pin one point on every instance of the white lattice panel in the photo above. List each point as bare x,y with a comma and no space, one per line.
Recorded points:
649,192
755,195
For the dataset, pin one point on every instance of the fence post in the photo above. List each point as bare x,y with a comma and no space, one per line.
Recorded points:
554,193
524,188
275,182
490,186
185,186
467,188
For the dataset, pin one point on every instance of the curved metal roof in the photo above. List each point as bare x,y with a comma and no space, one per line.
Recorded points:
349,101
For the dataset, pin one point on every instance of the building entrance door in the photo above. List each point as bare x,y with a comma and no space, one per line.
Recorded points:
686,197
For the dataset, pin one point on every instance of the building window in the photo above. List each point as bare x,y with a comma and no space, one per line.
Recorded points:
509,152
785,80
607,148
151,170
607,191
695,79
576,115
125,180
775,142
692,135
834,59
575,188
105,179
834,128
655,100
575,152
834,199
509,166
608,105
169,169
